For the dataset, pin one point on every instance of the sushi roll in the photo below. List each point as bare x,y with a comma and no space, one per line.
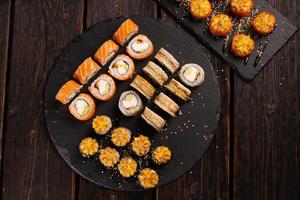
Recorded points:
121,136
82,107
167,60
109,157
143,86
178,89
68,91
106,51
101,124
161,155
191,75
122,67
148,178
157,74
103,88
140,47
141,145
153,119
130,103
127,29
127,167
88,147
166,104
86,70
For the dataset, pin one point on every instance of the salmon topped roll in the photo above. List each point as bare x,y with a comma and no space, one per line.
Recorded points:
68,91
103,88
122,67
127,29
140,47
82,107
106,51
86,70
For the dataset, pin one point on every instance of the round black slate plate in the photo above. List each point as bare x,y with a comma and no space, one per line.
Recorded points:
188,135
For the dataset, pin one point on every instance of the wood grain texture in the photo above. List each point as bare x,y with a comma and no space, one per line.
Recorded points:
267,124
209,178
32,168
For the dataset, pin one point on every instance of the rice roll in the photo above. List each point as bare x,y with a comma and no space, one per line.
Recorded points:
86,70
82,107
68,91
153,119
178,89
140,47
191,75
103,88
122,67
156,73
127,29
101,124
166,104
167,60
130,103
106,51
143,86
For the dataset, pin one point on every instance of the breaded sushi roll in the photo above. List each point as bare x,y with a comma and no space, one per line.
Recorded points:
103,88
122,67
109,157
148,178
120,136
156,73
82,107
130,103
143,86
101,124
140,47
68,91
153,119
141,145
88,147
127,29
166,104
191,75
167,60
86,70
106,51
161,155
127,167
178,89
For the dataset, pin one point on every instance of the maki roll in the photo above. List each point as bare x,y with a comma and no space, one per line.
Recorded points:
122,67
148,178
143,86
68,91
101,124
121,136
127,29
88,147
191,75
167,60
82,107
106,51
103,88
130,103
140,47
178,89
141,145
157,74
127,167
161,155
153,119
86,70
166,104
109,157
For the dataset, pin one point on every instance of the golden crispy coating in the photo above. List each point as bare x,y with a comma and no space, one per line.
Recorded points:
161,155
127,167
120,136
241,8
141,145
101,124
109,156
148,178
242,45
264,23
220,25
88,147
200,9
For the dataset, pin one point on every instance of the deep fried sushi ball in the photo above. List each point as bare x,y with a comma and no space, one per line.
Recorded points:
88,147
242,45
241,8
264,23
101,124
127,167
161,155
220,25
200,9
121,136
148,178
109,157
141,145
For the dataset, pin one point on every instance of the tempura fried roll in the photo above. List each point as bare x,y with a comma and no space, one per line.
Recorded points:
143,86
106,51
156,73
153,119
167,60
83,107
166,104
178,89
86,70
127,29
68,91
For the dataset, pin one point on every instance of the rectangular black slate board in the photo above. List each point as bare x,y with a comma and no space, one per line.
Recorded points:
247,68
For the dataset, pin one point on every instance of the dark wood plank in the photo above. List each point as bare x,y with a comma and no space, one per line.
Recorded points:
267,124
32,168
209,178
97,11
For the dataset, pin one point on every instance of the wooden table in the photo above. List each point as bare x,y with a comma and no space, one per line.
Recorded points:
256,150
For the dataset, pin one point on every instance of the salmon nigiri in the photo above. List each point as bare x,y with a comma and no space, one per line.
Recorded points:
68,91
86,70
106,51
127,29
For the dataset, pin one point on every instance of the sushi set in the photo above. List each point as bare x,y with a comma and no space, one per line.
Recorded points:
132,104
245,33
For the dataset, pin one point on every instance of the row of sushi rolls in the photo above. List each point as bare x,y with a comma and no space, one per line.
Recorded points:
103,88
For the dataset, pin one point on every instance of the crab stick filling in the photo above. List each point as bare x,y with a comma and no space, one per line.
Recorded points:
103,87
130,101
191,74
82,107
140,46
